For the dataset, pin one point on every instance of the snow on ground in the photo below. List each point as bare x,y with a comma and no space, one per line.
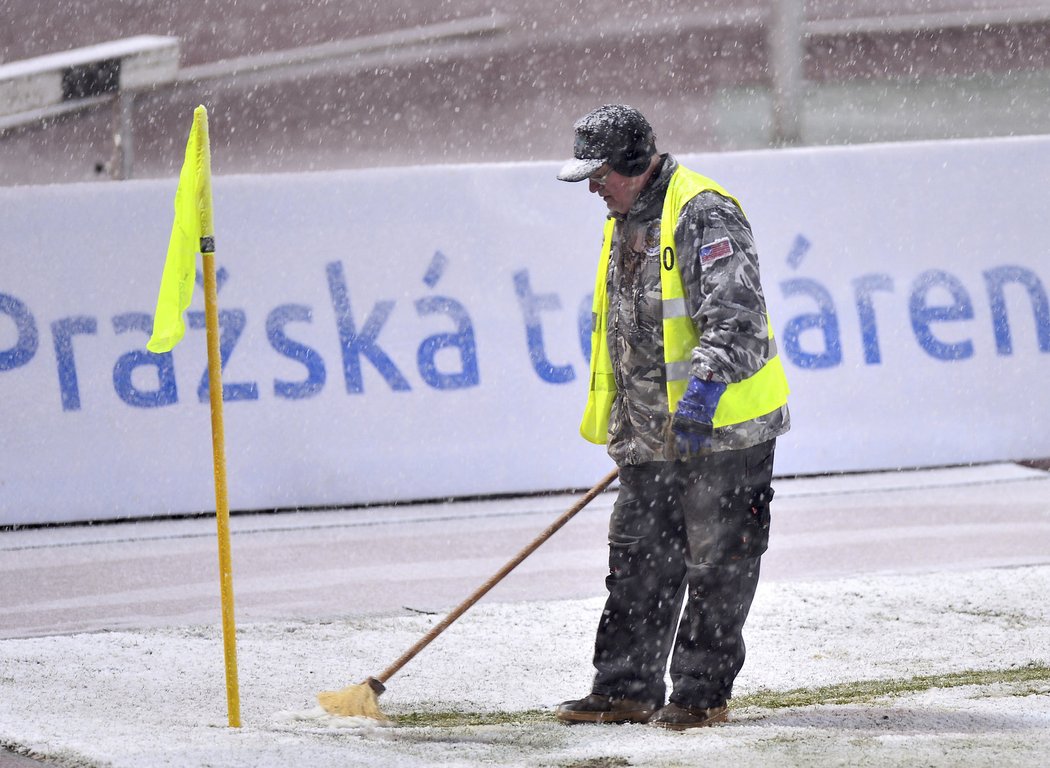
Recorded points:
158,697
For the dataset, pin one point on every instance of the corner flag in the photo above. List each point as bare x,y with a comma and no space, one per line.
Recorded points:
190,233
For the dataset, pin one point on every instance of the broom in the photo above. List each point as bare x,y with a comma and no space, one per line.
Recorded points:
362,700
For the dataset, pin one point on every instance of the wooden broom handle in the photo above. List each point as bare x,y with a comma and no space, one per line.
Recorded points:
462,608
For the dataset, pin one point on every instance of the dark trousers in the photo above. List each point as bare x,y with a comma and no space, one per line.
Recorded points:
691,529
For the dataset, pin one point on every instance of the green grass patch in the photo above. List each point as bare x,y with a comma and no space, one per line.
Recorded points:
865,691
452,719
859,692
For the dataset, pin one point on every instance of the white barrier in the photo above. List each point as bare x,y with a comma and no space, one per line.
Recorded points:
421,333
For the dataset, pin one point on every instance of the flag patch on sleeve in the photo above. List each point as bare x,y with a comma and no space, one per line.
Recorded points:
719,249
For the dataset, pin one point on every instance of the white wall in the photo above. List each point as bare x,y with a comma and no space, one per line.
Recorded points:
877,262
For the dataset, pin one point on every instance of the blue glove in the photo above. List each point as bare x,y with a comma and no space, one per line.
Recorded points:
692,422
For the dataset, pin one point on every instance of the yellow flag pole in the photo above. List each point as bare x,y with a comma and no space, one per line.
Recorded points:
222,506
218,440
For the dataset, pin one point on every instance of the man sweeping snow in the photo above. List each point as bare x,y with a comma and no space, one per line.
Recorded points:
688,392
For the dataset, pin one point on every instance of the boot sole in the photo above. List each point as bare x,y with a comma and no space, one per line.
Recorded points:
612,718
721,717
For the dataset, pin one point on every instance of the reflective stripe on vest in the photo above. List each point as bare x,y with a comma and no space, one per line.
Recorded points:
762,393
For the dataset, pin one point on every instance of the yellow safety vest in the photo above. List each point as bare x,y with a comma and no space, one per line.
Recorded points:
759,394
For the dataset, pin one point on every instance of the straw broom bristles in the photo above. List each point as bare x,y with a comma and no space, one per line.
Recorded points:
361,700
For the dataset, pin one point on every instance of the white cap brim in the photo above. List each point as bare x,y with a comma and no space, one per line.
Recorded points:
578,170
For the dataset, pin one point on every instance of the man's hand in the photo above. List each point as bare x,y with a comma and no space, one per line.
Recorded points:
692,422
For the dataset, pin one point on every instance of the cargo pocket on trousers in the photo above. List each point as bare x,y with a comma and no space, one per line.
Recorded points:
749,516
622,559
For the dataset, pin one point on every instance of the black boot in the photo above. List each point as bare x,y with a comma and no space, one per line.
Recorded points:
596,708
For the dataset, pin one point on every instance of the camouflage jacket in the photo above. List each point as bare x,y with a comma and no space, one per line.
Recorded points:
724,299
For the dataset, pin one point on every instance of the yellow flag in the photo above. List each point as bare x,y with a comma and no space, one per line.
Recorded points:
190,234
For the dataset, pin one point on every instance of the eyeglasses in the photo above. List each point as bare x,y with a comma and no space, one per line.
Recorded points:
600,180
